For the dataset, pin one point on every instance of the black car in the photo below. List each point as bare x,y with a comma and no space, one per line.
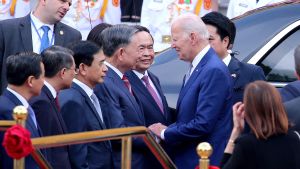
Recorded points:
265,37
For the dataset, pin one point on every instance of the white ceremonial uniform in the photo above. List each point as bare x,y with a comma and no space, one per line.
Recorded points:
157,16
239,7
22,8
78,15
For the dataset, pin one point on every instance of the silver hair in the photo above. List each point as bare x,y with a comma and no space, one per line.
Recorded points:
192,23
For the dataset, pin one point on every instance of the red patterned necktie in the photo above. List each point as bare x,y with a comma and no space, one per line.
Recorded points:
127,84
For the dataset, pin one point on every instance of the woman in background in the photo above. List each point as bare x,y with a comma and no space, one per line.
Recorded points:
270,144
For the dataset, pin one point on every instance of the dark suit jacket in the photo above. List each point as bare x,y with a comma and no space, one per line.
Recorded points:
204,113
151,110
290,91
15,36
80,115
280,152
128,113
8,102
51,123
293,112
243,74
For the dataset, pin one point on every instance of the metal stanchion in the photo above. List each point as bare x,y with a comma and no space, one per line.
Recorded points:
126,152
204,150
20,116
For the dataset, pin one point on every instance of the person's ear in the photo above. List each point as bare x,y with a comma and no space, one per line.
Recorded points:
30,81
82,69
225,42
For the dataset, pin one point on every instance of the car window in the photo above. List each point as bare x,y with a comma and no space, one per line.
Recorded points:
279,65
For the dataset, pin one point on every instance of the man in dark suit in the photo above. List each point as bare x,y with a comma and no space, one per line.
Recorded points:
292,90
222,33
154,105
120,45
59,73
25,76
27,33
146,87
293,112
204,103
83,111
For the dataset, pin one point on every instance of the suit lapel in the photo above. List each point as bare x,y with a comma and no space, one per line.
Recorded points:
138,85
25,31
59,34
29,123
90,104
194,75
53,104
234,69
119,82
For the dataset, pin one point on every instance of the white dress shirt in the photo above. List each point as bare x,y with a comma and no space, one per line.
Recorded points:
36,35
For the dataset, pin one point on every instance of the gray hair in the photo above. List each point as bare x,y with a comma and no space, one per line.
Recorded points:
116,37
192,23
297,59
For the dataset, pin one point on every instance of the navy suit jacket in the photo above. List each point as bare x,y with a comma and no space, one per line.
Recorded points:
290,91
51,123
128,113
243,74
15,37
151,110
292,109
80,115
204,113
8,102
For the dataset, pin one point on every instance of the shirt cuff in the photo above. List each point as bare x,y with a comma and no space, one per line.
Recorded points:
162,134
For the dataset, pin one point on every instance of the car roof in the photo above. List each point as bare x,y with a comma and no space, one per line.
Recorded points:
266,22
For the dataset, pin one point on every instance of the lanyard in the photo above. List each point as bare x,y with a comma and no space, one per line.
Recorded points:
37,32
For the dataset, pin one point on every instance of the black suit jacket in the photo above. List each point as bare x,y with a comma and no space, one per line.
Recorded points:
8,102
243,74
293,112
51,123
15,37
80,115
290,91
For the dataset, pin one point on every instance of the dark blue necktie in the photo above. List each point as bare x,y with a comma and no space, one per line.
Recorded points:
45,38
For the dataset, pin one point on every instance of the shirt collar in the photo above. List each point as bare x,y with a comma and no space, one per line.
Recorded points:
51,88
20,97
199,57
227,59
38,24
140,75
86,89
120,74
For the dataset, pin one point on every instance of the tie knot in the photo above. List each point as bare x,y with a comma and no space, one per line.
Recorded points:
124,78
93,97
145,79
45,29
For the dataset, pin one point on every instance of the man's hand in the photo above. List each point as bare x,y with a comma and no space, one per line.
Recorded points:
157,128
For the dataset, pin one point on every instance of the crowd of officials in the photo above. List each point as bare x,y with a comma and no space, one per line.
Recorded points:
156,15
72,85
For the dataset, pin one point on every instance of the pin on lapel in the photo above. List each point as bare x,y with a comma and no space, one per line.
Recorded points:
61,32
233,75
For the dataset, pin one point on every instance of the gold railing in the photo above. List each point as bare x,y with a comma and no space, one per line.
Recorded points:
125,134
